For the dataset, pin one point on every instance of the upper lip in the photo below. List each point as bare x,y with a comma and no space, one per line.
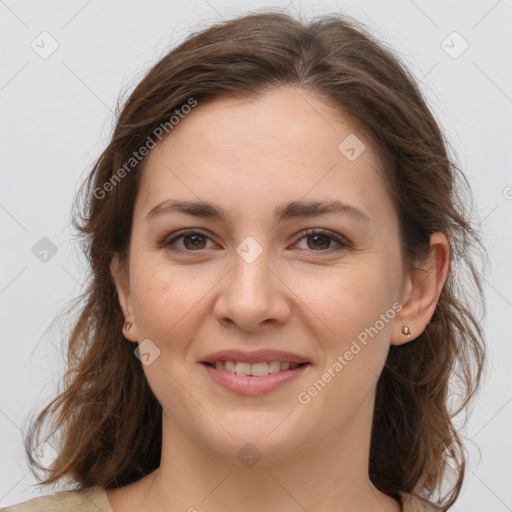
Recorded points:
256,356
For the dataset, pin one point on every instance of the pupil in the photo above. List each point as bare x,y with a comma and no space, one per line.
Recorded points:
196,239
318,238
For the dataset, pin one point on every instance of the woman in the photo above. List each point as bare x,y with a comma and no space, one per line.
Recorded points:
276,308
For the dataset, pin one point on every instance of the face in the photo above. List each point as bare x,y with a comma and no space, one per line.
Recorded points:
255,275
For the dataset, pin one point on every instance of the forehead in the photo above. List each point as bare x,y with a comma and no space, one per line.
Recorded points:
283,143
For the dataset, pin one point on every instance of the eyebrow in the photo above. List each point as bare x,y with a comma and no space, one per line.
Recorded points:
294,209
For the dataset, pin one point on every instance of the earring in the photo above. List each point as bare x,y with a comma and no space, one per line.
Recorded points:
129,325
406,331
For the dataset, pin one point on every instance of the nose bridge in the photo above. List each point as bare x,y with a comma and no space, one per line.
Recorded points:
250,250
251,294
251,273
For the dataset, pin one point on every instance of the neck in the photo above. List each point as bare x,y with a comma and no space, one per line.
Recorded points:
329,474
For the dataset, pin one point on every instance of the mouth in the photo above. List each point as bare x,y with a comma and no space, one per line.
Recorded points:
253,373
257,369
253,378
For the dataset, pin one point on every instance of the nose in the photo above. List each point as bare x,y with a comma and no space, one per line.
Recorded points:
253,295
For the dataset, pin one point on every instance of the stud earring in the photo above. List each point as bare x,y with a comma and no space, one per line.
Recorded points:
129,325
406,331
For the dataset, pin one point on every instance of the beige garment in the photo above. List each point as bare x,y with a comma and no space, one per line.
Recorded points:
91,499
94,499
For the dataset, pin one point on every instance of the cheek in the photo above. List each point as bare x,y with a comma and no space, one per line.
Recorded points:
352,298
357,306
162,298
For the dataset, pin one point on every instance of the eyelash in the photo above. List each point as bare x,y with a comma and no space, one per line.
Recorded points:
311,232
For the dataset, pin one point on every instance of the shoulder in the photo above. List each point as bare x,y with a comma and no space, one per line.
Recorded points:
415,503
90,499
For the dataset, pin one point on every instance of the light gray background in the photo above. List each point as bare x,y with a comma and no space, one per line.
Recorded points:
57,114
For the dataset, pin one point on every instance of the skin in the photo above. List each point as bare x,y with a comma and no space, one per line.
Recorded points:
248,157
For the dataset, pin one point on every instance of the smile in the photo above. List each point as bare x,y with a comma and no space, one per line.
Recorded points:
255,369
252,379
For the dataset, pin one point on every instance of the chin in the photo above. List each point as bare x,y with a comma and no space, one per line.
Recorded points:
265,436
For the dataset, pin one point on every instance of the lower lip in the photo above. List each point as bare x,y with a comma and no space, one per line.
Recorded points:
251,385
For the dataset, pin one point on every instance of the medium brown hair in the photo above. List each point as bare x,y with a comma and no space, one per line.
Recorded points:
107,418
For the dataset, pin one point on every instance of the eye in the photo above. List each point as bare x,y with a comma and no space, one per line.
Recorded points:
195,241
192,241
321,239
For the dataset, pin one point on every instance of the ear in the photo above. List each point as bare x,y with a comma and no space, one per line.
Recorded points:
421,291
122,283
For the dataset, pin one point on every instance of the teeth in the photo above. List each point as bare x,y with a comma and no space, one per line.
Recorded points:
274,366
255,369
243,368
229,366
259,369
